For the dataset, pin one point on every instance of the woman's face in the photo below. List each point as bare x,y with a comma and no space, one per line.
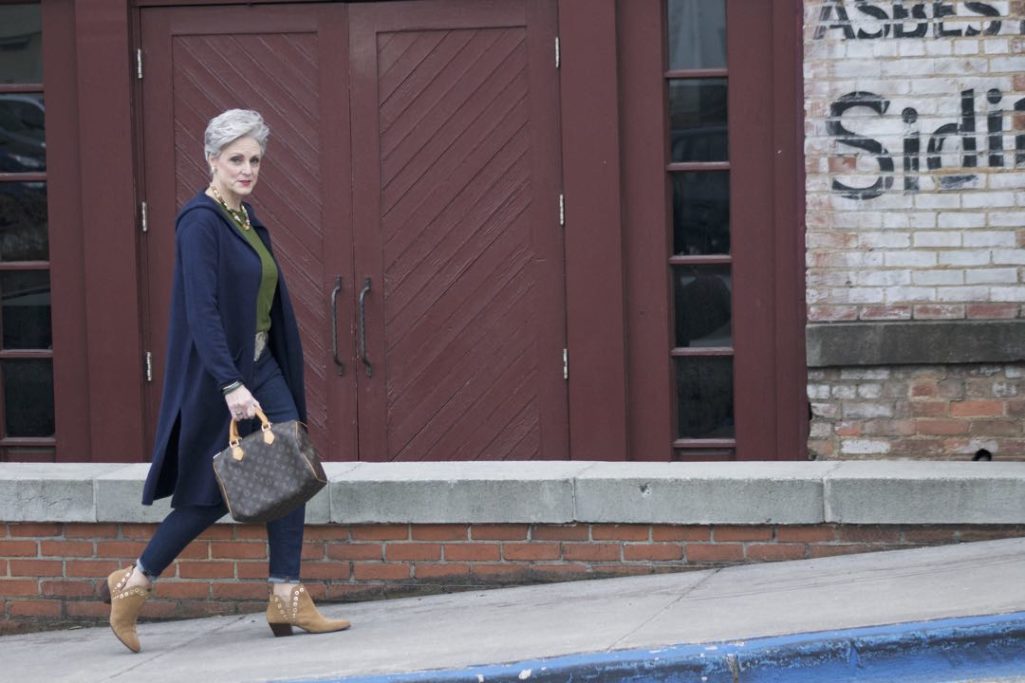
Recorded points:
236,168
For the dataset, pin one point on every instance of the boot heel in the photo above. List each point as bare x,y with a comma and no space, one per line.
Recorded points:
105,592
125,612
281,630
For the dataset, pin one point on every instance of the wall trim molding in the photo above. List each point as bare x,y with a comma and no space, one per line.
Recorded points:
948,342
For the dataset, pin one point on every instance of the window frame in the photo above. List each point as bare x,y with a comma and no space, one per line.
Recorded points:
696,447
36,447
764,66
77,404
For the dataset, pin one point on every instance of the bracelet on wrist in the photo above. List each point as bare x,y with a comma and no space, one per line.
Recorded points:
231,387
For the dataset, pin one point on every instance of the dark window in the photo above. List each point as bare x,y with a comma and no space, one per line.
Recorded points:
697,82
697,34
21,44
701,213
704,398
26,336
697,119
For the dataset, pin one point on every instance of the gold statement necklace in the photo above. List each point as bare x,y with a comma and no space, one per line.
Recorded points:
239,215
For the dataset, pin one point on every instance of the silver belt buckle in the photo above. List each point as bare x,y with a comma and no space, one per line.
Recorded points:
261,345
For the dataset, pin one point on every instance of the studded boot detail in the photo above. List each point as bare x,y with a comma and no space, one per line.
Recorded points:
299,611
125,605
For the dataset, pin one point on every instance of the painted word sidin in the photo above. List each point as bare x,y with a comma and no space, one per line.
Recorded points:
965,129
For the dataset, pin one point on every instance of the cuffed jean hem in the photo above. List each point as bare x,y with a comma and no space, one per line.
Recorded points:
145,572
278,579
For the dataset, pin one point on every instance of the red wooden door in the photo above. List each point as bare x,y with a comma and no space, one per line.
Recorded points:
447,203
289,64
456,175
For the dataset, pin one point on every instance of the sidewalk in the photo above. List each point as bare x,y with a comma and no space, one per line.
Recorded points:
464,630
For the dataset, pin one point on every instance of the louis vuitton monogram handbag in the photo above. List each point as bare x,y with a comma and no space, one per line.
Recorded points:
268,473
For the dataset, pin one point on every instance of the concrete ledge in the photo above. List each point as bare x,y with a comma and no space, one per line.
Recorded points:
703,493
939,493
942,342
873,492
31,492
456,492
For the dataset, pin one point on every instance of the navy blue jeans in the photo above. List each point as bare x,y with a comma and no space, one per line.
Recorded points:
284,535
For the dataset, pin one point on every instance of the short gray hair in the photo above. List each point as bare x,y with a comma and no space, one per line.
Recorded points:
233,124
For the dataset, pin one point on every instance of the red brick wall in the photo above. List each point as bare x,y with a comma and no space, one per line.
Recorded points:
935,413
49,573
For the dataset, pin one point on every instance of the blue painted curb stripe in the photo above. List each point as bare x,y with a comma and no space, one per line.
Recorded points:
915,652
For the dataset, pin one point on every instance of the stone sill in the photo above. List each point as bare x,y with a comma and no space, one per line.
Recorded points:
862,492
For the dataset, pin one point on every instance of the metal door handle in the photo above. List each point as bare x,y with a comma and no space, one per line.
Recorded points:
363,328
339,365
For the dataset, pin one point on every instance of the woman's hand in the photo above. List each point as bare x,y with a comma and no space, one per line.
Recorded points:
241,404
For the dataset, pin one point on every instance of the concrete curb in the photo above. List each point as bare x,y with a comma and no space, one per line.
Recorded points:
985,646
864,492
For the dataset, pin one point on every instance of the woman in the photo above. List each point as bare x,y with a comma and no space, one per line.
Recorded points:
233,347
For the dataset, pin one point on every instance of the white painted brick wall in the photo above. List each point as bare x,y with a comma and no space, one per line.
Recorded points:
953,236
884,240
926,238
975,200
1013,257
989,238
1000,276
939,278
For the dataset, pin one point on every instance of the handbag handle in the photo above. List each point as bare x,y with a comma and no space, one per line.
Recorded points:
236,443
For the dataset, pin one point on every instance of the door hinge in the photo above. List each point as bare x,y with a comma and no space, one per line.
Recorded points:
147,362
562,210
558,53
565,363
144,217
138,63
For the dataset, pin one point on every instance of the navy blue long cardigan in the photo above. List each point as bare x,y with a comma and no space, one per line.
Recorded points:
210,344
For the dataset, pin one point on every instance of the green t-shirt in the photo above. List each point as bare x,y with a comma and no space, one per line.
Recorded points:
269,279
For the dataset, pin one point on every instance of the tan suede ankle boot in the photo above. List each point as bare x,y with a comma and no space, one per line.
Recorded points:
299,611
125,605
